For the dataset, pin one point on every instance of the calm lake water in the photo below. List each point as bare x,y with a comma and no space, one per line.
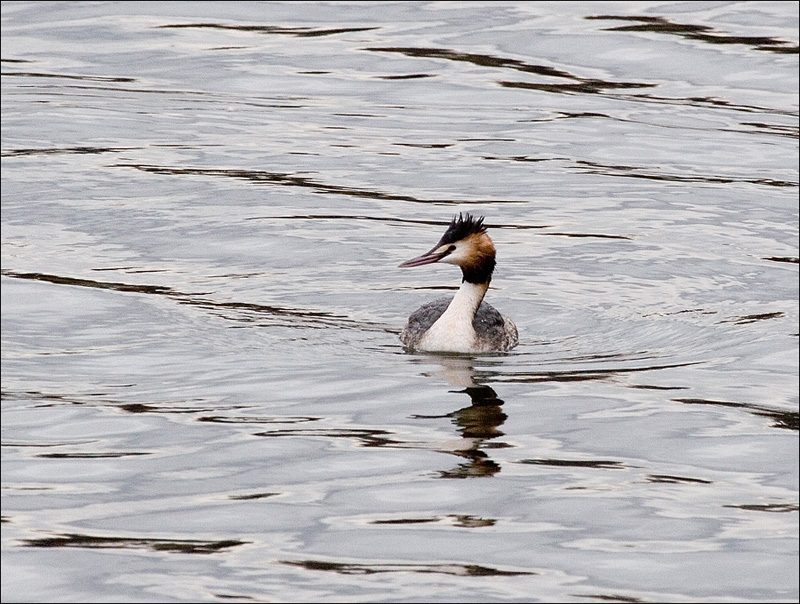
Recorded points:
204,394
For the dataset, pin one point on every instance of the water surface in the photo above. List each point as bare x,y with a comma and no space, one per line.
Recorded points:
204,394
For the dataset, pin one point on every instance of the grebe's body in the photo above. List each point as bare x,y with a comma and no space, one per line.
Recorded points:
463,323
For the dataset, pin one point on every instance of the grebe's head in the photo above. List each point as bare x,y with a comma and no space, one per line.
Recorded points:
466,244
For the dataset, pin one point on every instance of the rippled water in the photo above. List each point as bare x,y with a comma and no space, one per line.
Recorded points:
204,395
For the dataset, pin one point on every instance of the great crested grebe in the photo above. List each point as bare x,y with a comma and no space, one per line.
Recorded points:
463,323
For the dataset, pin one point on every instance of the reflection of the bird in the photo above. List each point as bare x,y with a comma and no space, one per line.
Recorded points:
477,423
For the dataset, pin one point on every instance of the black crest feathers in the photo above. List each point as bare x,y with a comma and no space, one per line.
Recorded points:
461,227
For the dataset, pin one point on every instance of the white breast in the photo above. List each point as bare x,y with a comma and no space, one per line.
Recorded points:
453,331
448,336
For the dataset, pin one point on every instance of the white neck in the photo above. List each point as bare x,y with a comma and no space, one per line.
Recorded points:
453,331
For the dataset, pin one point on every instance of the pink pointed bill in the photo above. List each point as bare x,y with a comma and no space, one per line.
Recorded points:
427,258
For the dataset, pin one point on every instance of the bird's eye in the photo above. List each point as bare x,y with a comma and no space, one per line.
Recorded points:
451,249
